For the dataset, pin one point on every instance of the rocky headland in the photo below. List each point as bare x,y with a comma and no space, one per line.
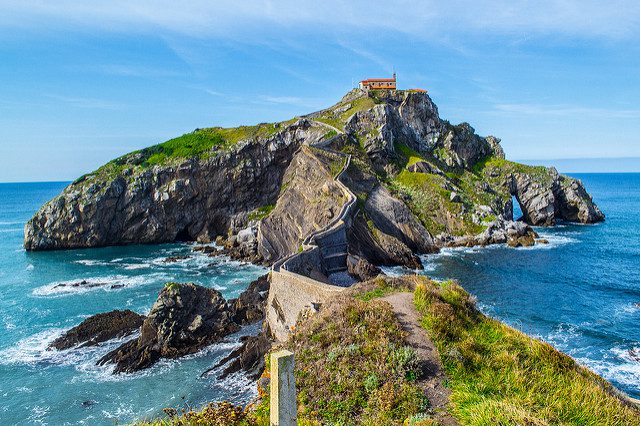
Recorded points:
421,183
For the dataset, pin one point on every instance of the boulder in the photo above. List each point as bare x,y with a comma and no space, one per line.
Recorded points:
359,268
424,167
184,319
248,358
249,306
394,218
99,328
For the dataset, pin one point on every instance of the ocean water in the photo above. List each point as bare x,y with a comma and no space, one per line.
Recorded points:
39,386
580,293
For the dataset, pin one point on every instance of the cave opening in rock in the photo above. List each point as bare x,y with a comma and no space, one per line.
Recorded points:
517,209
184,235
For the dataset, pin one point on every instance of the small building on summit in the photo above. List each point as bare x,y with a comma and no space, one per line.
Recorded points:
379,83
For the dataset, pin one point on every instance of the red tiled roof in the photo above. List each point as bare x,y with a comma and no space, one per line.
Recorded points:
370,80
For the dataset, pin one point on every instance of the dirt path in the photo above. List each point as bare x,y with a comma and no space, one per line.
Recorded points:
433,373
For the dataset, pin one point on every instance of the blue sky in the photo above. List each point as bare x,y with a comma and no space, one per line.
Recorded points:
82,82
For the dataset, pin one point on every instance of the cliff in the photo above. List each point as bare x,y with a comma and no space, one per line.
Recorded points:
421,183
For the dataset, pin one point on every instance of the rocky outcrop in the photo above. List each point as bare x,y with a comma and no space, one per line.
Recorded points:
188,200
309,201
393,217
361,269
99,328
184,319
465,148
551,197
377,247
500,231
249,306
573,203
248,358
403,118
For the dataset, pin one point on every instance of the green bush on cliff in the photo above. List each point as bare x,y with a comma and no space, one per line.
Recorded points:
499,375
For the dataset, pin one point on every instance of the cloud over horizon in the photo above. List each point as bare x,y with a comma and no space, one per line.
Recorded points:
618,19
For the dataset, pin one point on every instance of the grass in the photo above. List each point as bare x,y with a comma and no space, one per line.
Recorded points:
412,157
427,197
197,144
352,367
261,212
501,376
382,289
200,144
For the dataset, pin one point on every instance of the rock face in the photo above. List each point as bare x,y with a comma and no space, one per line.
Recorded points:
188,200
465,148
553,197
310,199
394,218
184,319
99,328
361,269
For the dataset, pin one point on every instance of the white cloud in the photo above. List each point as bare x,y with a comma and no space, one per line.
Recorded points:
582,18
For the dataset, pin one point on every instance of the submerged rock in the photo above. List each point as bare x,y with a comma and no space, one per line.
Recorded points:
99,328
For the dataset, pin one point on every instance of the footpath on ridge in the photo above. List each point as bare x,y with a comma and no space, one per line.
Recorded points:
433,375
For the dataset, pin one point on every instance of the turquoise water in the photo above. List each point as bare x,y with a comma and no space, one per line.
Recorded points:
578,293
38,386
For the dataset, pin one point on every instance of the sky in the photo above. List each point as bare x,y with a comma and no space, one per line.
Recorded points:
82,82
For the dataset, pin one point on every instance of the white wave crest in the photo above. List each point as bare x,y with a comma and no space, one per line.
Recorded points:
106,283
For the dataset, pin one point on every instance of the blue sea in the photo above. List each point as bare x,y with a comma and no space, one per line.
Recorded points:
580,293
39,386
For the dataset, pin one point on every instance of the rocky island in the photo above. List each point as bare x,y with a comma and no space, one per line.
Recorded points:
324,199
420,182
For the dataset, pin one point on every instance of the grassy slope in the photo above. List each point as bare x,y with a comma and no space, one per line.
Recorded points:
352,368
499,375
201,143
428,196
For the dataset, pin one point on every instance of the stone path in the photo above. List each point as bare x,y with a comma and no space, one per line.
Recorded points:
433,374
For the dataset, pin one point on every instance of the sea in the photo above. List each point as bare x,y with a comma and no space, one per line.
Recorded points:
580,292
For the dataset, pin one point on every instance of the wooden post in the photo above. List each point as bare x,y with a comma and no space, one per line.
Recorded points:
283,404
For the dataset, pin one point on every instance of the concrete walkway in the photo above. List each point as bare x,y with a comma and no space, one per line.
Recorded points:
433,374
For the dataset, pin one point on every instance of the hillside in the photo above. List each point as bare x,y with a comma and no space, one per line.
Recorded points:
421,182
354,365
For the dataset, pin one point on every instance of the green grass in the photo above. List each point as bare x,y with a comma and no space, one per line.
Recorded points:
412,157
261,212
429,201
382,289
197,144
338,121
501,376
352,367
